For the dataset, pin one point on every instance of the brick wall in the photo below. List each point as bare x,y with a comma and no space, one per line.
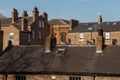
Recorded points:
7,31
58,29
93,35
88,36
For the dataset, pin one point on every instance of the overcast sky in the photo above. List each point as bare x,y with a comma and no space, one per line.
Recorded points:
82,10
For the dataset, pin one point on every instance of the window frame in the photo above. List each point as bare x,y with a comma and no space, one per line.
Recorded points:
81,37
107,35
40,35
19,77
33,34
11,36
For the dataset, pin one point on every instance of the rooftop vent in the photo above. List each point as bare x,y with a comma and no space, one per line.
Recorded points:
114,23
60,51
86,24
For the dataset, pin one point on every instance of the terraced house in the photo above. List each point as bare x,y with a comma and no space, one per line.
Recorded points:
24,30
86,33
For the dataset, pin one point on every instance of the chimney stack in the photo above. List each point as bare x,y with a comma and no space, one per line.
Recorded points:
1,40
99,19
73,23
45,16
100,39
24,24
35,14
14,15
50,43
0,25
24,14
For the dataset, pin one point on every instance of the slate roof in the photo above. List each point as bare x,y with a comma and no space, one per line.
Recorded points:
58,22
6,22
76,59
107,27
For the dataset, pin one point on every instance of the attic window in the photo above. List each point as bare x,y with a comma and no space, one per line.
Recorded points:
60,51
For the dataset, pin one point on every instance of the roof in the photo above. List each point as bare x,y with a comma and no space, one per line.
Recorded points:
76,59
58,22
93,26
6,22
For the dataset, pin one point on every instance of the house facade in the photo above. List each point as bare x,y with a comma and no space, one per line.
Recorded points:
86,33
25,30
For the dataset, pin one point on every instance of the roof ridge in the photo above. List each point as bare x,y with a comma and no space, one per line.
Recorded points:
62,21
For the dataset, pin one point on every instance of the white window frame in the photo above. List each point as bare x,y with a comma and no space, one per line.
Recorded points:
33,34
81,37
107,35
11,34
40,35
42,23
29,37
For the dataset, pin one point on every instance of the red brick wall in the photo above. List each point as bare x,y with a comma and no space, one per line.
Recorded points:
58,29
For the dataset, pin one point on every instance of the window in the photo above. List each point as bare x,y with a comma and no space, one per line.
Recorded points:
11,36
81,37
74,78
63,36
107,35
40,35
42,23
33,34
53,77
21,77
29,38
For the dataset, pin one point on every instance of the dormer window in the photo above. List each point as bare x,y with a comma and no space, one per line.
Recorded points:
41,23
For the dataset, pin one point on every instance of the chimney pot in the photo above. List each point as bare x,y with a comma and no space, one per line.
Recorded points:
45,16
24,14
35,14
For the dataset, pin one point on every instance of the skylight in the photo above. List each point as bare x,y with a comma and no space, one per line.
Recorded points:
60,51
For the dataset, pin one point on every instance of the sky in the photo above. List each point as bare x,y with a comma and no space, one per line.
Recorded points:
82,10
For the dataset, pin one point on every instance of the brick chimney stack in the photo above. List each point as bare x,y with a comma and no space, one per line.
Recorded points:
14,15
24,24
73,23
100,39
45,16
35,14
50,43
99,19
47,45
24,14
0,25
1,39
